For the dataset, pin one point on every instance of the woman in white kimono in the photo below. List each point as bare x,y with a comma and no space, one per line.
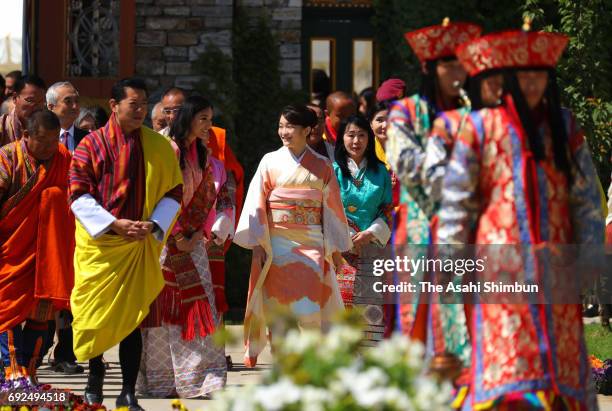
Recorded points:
293,220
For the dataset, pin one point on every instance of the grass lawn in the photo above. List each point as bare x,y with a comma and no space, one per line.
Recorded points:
598,340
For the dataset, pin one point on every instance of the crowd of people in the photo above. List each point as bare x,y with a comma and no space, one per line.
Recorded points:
113,233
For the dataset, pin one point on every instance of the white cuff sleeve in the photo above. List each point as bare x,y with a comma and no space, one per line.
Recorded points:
223,227
381,231
163,215
95,218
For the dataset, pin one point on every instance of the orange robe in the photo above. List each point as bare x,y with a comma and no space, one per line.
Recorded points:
216,254
32,271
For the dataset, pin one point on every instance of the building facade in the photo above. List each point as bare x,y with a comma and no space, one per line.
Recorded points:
94,42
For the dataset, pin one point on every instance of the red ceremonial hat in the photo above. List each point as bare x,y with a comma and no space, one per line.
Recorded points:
512,49
434,42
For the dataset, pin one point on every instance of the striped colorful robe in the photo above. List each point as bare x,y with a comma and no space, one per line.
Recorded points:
10,128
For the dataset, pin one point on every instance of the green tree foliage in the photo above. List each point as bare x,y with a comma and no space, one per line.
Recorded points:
218,85
259,91
584,72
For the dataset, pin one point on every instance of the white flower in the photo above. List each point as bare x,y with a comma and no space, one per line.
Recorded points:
373,398
338,339
274,397
399,349
398,399
243,403
234,399
430,395
298,342
365,386
416,351
314,398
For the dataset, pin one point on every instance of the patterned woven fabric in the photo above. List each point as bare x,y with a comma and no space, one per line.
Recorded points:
171,364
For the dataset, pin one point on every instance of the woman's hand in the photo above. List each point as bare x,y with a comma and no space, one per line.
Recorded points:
337,259
187,245
362,238
259,255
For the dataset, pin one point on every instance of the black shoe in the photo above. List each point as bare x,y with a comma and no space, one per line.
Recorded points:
228,362
128,400
93,391
68,368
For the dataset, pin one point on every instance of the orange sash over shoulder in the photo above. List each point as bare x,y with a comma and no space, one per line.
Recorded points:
222,152
37,243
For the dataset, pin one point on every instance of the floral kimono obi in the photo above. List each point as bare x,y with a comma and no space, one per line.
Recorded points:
291,207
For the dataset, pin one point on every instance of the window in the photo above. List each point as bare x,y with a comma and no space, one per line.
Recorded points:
93,27
322,65
363,64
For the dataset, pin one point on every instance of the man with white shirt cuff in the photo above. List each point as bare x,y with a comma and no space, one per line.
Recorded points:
125,183
97,221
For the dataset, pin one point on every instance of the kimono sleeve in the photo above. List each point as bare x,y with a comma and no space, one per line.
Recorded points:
335,227
459,208
252,229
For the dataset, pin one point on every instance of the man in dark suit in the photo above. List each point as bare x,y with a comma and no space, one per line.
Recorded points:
63,100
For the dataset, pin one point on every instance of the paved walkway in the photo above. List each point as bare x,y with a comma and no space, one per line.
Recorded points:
237,377
112,383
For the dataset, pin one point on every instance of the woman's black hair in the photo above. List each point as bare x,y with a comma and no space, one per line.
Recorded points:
554,115
300,115
473,87
379,106
369,95
181,127
430,87
342,155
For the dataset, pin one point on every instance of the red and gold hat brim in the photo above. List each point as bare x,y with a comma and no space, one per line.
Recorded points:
435,42
511,49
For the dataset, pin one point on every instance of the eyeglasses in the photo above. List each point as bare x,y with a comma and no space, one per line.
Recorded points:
171,110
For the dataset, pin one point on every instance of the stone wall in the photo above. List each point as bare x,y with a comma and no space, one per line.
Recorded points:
170,34
286,22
